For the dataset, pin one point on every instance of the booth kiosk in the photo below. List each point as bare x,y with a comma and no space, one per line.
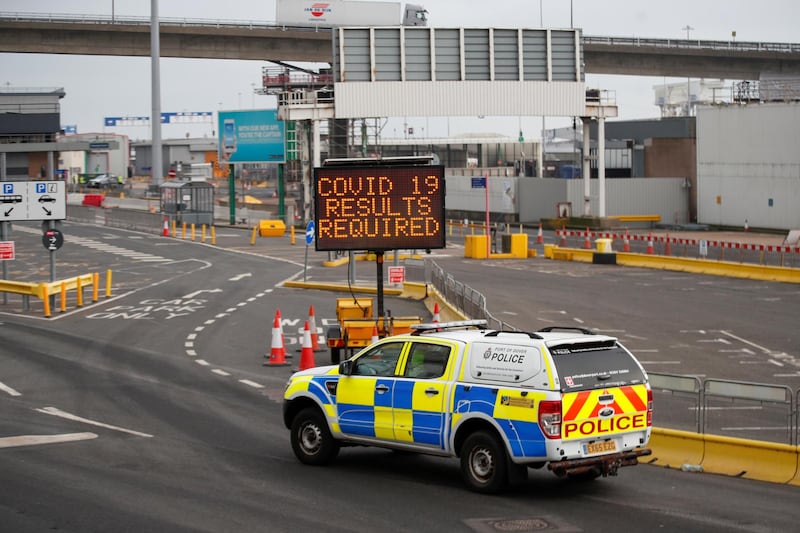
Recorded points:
190,202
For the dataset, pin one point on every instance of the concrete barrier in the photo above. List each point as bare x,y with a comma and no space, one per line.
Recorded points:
764,461
729,456
673,448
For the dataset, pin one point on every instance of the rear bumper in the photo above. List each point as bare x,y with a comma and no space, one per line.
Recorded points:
601,465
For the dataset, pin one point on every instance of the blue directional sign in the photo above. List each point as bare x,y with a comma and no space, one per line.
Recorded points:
310,232
479,183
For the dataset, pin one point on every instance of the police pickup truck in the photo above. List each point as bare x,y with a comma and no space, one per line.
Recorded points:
500,401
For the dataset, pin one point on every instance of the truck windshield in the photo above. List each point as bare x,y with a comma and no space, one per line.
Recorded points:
597,365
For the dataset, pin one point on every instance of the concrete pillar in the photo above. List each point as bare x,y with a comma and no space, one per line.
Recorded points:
601,167
586,171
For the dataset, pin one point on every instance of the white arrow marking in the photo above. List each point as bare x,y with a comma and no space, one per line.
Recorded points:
58,412
8,390
240,277
195,293
35,440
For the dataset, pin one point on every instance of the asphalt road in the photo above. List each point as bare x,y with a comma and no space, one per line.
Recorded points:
152,410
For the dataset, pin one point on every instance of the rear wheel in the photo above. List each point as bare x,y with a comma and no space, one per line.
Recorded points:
484,463
311,438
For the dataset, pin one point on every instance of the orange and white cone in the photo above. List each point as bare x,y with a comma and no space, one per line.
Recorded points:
539,236
277,354
435,312
587,243
313,325
374,337
626,243
165,231
650,249
307,353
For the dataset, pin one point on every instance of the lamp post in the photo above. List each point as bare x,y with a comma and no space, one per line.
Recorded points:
688,28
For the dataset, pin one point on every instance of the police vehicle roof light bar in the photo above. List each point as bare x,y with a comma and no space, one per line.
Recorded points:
441,326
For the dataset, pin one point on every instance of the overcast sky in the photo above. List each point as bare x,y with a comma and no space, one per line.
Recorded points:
98,86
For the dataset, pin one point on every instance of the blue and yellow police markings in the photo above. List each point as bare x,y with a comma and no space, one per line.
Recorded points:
516,415
419,412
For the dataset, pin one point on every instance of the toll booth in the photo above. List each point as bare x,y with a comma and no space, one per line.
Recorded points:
191,202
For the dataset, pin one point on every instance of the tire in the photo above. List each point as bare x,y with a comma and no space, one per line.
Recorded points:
311,438
484,463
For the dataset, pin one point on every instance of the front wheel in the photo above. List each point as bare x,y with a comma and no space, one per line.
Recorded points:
484,464
311,438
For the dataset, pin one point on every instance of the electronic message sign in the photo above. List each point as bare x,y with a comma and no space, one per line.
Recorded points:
379,208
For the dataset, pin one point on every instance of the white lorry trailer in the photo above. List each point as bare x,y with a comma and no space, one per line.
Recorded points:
332,13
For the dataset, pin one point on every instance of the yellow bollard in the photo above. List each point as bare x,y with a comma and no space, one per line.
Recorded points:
203,233
63,296
79,291
95,286
108,283
46,301
192,232
174,228
291,232
253,236
183,230
213,235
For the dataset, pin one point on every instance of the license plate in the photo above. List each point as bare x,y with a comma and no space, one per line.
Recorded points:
600,447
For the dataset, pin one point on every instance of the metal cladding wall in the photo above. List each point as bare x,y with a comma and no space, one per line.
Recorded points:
748,165
531,199
403,71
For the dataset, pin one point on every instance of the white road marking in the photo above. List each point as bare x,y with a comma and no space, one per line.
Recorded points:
209,322
58,412
240,277
251,383
8,390
191,353
202,362
191,336
220,372
659,362
36,440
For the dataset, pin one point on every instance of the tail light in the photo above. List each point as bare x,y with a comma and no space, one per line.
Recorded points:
550,419
649,407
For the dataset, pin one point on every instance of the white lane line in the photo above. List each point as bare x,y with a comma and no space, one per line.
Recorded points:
35,440
58,412
251,383
8,390
191,353
201,362
220,372
191,336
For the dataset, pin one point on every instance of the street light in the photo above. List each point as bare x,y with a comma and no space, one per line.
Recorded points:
688,28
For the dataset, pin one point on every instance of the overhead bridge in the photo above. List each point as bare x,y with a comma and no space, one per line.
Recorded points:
208,39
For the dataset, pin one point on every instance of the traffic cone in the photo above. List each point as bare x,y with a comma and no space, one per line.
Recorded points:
374,337
650,249
313,325
277,354
540,237
307,353
165,231
280,326
435,312
667,247
587,243
626,243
